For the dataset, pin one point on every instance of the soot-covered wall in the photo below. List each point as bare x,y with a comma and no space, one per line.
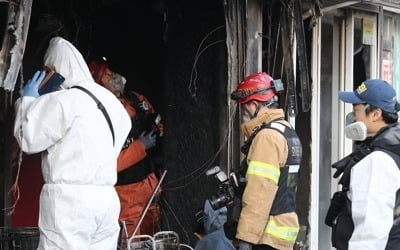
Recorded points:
174,53
195,84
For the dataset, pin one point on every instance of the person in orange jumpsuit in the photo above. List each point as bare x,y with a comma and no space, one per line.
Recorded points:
137,178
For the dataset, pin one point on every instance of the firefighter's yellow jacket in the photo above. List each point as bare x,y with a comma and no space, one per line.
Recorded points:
267,155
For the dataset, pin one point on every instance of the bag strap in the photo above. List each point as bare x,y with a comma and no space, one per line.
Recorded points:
101,107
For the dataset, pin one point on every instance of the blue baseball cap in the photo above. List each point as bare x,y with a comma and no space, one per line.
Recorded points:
376,92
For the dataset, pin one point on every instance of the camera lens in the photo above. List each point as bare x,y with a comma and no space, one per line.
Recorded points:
218,202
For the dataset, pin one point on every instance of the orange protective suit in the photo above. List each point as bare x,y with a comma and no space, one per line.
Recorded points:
135,196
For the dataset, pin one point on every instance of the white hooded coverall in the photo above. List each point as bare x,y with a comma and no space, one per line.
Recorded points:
79,206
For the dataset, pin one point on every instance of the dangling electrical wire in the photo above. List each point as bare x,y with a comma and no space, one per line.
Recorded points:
15,187
204,167
163,211
193,74
276,48
176,219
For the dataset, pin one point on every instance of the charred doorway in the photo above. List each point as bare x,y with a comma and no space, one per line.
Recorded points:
174,53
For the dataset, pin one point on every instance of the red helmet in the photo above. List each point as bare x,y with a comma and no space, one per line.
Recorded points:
256,87
97,69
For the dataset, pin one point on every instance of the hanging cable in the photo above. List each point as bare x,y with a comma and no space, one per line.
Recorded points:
192,88
177,220
15,186
205,166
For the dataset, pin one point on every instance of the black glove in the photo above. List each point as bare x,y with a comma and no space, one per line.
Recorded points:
338,202
148,140
243,245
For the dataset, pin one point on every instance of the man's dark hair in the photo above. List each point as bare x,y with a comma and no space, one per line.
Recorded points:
388,117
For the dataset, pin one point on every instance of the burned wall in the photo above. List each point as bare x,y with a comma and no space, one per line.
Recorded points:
195,82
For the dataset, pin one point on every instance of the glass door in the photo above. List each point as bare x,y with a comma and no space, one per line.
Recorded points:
331,77
390,50
365,47
345,56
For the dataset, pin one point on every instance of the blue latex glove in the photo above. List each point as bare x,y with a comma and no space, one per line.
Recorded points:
148,140
31,87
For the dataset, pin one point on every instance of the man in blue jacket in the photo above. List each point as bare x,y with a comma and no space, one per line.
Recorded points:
213,237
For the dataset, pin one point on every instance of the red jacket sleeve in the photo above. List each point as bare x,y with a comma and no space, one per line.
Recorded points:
131,155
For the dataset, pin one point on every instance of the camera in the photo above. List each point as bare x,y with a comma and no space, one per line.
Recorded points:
226,192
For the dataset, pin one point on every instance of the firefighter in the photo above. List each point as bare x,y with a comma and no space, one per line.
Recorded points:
273,153
137,162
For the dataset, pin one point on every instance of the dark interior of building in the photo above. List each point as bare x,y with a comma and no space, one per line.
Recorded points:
157,45
131,36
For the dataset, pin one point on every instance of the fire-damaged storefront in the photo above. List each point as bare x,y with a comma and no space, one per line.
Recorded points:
187,57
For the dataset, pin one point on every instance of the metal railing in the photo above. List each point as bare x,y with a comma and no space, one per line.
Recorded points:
19,238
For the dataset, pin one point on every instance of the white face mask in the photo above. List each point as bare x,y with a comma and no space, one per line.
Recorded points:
356,131
247,115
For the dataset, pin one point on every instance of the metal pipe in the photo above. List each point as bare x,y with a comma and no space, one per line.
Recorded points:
149,203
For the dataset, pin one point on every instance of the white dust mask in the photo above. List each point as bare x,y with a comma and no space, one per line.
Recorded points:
356,131
247,115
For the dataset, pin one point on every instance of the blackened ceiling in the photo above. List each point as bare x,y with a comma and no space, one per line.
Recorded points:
130,34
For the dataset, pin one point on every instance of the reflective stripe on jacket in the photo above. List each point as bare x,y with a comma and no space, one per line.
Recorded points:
282,232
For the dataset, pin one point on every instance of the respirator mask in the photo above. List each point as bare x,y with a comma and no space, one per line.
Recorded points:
355,130
247,116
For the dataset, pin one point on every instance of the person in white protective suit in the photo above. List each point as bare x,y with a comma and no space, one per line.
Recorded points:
79,206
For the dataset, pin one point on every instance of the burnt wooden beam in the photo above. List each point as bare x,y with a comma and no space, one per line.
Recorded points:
287,44
253,36
302,57
14,41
